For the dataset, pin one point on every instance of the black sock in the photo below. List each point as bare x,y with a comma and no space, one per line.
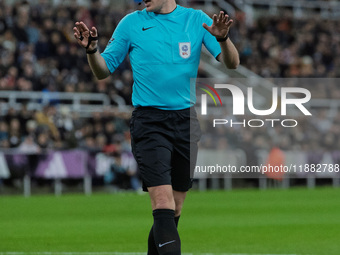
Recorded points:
165,232
152,248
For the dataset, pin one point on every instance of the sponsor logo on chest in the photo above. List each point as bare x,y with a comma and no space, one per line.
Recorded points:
185,49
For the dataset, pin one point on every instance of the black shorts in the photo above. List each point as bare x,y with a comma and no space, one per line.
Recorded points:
164,144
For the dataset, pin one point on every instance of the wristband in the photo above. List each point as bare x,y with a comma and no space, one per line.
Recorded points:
90,39
92,51
223,39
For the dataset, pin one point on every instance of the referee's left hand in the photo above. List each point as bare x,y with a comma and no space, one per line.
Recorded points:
220,26
82,34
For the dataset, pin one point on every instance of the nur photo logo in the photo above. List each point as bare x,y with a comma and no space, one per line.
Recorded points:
204,97
243,104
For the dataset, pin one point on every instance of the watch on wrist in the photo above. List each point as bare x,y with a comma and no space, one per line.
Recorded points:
223,39
91,51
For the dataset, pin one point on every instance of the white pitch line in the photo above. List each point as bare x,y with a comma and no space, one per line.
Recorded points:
122,253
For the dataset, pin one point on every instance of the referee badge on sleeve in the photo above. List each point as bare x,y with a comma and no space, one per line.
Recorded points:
185,49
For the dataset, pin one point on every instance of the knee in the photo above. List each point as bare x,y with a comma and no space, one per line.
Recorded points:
162,197
164,204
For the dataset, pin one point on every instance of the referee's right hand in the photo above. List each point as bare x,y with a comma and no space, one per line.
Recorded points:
82,34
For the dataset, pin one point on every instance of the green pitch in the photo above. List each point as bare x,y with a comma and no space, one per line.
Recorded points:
296,221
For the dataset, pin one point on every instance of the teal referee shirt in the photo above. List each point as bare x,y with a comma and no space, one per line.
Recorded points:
164,52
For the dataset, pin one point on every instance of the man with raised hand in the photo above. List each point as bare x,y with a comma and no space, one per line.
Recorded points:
164,42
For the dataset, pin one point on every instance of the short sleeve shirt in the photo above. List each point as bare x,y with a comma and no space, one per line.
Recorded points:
164,51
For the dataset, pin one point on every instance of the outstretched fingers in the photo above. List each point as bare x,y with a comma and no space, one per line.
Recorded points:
221,22
225,18
76,33
214,19
94,32
82,27
221,16
229,23
81,31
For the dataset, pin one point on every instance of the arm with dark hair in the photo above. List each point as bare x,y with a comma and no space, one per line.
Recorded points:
229,55
220,29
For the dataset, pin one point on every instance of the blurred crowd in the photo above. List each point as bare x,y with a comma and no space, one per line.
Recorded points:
37,131
105,134
312,133
284,46
38,52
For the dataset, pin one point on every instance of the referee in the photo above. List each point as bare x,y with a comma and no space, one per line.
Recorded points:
164,42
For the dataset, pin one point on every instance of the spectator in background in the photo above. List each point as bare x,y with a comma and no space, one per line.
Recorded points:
29,146
14,134
44,141
45,118
3,132
31,127
123,169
